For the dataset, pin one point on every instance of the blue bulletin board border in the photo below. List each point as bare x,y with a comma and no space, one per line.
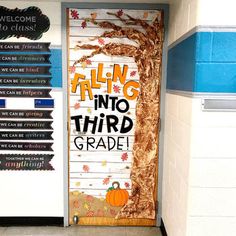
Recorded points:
55,64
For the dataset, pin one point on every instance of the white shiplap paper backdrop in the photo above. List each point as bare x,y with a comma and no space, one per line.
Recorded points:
89,168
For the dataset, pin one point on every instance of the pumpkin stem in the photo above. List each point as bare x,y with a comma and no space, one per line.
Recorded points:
118,185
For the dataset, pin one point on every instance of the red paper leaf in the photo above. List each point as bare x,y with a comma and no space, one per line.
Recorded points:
101,41
90,213
100,212
113,212
120,12
72,69
88,62
74,14
133,73
124,156
85,168
106,181
116,88
84,24
89,198
127,184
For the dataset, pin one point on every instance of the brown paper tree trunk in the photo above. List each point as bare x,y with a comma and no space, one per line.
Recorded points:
147,55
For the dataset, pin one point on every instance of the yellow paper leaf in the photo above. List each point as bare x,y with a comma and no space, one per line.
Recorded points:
104,163
84,64
86,206
77,184
75,193
105,208
89,110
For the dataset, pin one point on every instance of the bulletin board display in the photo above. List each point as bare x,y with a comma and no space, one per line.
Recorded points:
31,110
114,68
26,102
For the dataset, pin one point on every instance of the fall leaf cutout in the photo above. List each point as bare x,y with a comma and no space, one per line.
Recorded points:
101,41
84,24
77,106
104,163
75,193
76,204
74,14
89,110
77,184
93,15
86,206
90,213
72,69
120,13
88,62
127,185
85,168
89,198
84,64
145,15
116,88
133,73
113,212
106,181
124,156
100,212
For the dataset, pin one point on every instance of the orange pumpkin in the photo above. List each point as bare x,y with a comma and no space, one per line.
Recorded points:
117,196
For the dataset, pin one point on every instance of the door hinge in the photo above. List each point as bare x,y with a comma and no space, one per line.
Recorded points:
159,124
156,206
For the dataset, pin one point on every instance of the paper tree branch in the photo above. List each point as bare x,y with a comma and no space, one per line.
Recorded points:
111,49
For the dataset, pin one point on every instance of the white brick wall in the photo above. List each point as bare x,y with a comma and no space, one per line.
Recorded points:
212,206
216,13
176,164
199,177
183,17
200,155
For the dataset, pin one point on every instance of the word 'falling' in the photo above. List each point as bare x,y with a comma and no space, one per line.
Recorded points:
130,88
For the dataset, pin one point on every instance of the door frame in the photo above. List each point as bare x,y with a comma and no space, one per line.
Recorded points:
134,6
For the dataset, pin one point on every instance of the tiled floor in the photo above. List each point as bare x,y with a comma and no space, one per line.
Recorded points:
80,231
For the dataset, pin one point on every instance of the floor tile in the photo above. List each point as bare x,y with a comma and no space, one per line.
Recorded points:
31,231
2,229
97,231
143,231
80,231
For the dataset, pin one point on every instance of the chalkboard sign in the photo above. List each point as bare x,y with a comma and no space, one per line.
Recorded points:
25,162
29,23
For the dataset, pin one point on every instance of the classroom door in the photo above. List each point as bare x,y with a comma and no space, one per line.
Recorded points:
114,71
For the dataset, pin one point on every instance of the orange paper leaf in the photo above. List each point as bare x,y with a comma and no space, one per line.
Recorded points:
93,15
85,168
106,181
77,106
145,15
